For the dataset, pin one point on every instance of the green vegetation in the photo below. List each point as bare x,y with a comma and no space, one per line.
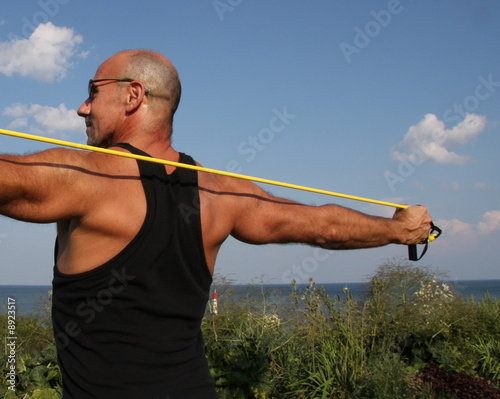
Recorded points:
409,337
37,373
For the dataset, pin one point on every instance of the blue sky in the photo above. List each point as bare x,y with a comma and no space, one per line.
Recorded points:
391,100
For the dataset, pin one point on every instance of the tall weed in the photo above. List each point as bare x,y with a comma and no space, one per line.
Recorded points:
409,337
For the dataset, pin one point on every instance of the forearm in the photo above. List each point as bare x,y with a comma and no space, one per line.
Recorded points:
336,227
260,218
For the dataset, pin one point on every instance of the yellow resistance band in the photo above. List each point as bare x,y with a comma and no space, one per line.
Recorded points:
187,166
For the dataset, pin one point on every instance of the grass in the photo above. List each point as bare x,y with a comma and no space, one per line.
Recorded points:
410,337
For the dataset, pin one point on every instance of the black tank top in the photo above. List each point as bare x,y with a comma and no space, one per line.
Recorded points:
131,327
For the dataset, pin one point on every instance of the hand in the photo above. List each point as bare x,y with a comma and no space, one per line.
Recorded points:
415,224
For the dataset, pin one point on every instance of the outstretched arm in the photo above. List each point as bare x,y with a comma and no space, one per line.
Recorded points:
260,218
38,187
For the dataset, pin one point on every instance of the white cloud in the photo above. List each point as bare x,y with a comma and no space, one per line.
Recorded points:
46,55
429,139
18,123
482,186
43,119
461,236
453,186
490,222
455,226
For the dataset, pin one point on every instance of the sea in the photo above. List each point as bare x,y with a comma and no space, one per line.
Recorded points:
29,299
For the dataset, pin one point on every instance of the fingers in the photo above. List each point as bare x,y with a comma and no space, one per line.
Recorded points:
416,222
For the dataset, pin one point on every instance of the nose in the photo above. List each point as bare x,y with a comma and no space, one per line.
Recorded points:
84,109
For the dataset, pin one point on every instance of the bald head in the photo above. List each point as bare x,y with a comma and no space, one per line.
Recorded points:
157,74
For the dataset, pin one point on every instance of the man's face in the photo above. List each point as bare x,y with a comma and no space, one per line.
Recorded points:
102,109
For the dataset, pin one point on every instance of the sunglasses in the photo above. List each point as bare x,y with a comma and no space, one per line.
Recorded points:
91,88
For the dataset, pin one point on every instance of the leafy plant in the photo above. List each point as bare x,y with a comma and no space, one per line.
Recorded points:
410,337
458,385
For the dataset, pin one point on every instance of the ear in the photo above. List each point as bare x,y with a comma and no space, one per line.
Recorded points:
135,96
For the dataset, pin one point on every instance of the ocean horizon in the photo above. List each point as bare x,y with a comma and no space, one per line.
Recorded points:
30,298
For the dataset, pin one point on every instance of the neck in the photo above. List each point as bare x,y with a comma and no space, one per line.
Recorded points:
156,144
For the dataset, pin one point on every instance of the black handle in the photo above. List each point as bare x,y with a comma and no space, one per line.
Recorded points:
412,249
412,252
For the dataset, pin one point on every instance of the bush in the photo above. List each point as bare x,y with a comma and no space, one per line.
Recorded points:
37,372
458,385
410,337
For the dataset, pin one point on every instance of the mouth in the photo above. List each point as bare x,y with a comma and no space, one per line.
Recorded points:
88,125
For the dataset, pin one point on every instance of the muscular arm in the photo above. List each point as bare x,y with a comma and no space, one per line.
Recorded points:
260,218
37,188
98,201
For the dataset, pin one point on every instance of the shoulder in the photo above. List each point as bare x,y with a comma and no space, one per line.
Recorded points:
52,155
88,161
52,164
59,158
78,171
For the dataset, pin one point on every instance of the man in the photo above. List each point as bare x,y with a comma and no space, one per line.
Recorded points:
137,241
